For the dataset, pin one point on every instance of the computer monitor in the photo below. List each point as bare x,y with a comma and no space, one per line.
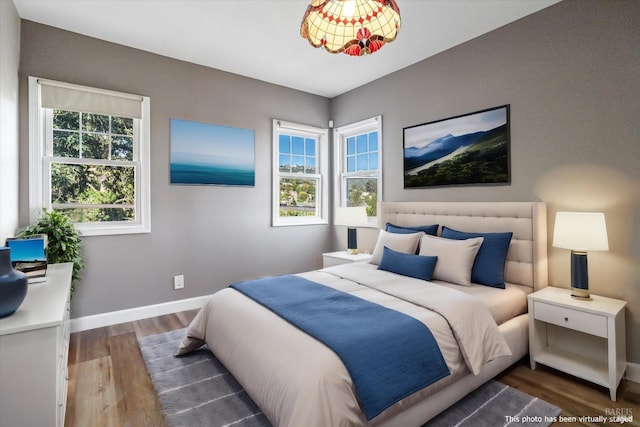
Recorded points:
29,255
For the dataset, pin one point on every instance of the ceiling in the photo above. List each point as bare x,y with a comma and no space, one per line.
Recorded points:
261,38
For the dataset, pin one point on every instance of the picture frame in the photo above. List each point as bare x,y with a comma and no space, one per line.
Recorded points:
210,154
469,149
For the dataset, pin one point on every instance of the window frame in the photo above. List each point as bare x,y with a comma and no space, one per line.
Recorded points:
322,173
340,136
41,158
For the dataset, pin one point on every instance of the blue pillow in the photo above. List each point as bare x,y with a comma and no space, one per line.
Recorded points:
417,266
398,229
488,268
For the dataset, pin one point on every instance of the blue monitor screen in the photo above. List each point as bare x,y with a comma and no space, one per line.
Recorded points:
27,250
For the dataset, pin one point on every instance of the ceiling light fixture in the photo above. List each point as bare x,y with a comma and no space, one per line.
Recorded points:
355,27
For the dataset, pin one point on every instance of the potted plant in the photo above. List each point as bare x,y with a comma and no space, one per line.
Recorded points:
63,241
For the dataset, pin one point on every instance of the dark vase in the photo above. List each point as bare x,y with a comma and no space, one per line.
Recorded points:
13,285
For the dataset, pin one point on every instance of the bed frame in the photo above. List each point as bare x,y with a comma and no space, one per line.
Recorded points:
526,266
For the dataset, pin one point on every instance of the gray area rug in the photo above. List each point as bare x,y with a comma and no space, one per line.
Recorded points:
496,404
197,390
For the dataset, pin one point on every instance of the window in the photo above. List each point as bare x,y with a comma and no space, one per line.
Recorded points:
89,156
300,170
358,160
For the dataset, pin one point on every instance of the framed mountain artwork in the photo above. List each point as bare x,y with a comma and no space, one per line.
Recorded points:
470,149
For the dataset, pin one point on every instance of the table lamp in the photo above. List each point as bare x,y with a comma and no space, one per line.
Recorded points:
352,217
580,232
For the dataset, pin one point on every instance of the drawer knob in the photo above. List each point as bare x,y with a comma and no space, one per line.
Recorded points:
566,319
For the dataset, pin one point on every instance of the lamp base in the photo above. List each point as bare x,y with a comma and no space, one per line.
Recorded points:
580,294
352,241
579,276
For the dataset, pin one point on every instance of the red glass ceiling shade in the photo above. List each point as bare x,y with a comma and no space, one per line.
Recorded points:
355,27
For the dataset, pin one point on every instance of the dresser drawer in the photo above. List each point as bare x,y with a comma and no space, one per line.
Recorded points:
589,323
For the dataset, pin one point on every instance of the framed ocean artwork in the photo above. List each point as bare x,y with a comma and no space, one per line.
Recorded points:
209,154
470,149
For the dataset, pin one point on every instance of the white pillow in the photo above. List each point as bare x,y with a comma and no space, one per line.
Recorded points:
405,243
455,257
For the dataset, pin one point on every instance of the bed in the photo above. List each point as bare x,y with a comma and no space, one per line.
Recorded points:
297,380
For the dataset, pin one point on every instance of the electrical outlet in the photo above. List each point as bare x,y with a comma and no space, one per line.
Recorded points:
178,282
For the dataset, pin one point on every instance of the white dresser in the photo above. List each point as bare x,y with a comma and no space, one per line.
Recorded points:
34,345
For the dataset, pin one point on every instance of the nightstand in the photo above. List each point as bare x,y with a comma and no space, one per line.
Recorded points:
582,338
342,257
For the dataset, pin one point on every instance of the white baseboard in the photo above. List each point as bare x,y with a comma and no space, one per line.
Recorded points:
129,315
633,372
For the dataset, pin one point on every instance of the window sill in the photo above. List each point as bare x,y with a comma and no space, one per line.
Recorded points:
111,229
293,222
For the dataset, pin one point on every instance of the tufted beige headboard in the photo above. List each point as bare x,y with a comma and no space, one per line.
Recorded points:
527,257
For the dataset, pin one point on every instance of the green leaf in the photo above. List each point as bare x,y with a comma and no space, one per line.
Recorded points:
63,241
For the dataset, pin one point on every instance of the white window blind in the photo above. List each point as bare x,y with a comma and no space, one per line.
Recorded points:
65,96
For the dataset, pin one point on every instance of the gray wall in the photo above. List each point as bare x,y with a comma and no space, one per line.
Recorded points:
570,73
213,235
9,59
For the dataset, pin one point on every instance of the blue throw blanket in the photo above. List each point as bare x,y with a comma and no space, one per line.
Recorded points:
388,354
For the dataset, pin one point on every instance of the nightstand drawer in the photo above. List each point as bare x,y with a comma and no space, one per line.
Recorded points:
589,323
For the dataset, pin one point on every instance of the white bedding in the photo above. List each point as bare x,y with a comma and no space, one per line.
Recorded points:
296,380
503,304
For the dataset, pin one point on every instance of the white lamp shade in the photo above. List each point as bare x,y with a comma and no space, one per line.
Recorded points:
581,231
351,217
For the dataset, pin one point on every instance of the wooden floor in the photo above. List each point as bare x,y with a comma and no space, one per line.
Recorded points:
109,385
